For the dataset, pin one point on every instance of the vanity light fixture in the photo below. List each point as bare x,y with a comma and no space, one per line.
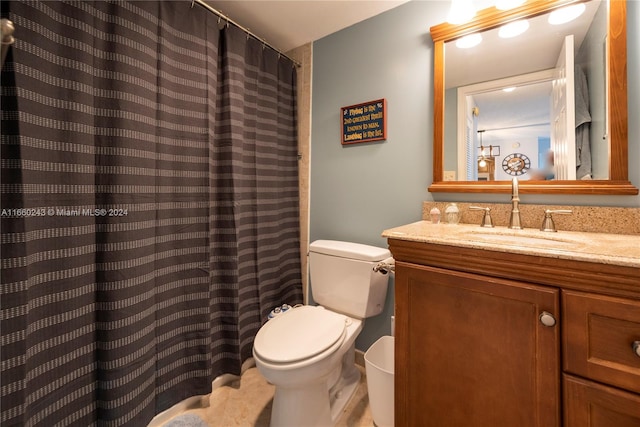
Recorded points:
566,14
461,12
469,41
513,29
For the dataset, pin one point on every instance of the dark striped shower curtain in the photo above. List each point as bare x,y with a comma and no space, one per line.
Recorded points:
149,207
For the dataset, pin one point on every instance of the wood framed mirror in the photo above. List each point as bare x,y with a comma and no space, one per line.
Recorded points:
615,46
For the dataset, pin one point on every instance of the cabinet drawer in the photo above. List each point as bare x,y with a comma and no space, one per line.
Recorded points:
591,404
598,336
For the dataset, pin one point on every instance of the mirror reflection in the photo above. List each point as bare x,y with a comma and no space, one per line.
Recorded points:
531,105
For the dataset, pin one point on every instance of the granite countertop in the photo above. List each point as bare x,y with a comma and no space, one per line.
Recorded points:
614,249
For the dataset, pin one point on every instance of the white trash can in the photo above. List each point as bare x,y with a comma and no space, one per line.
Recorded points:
379,367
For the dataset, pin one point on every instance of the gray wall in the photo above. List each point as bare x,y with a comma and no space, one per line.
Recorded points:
359,190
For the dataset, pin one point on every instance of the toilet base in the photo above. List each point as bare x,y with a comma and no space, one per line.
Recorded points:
343,396
314,405
299,407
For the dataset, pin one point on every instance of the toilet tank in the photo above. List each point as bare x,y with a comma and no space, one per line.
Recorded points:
343,280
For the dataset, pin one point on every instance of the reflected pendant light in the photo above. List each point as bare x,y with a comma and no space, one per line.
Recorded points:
483,162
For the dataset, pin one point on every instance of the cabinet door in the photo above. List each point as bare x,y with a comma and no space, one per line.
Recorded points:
472,351
595,405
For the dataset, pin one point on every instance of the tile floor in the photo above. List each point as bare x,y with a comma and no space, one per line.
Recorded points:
247,403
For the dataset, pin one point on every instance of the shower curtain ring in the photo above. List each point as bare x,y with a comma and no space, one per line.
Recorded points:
193,2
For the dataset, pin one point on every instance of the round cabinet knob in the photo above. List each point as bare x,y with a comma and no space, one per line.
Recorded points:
636,347
547,319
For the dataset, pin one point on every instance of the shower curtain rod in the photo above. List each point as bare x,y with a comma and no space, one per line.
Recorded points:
246,30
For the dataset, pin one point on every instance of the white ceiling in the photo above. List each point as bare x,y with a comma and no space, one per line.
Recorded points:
288,24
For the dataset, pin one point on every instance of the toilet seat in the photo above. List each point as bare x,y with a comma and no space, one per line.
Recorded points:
300,334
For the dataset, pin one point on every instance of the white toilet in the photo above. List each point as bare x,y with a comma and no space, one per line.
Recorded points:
308,352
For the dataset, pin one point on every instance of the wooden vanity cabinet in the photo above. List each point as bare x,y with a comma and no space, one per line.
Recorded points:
472,349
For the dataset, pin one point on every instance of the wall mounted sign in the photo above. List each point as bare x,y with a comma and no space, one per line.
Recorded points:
364,122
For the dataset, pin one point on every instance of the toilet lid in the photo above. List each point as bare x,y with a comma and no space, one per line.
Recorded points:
299,334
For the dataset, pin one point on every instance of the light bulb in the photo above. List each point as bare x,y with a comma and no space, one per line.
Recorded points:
513,29
566,14
469,41
461,11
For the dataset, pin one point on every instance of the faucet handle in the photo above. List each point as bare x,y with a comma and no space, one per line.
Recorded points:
486,218
547,223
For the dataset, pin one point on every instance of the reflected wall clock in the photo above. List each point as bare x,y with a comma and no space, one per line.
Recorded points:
516,164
